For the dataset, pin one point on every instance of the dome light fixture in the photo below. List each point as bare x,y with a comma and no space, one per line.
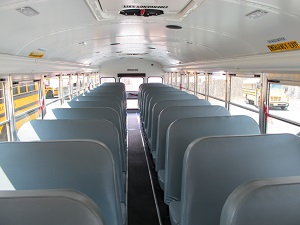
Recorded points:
174,27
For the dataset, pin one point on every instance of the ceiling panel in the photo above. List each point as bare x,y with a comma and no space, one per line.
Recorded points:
69,30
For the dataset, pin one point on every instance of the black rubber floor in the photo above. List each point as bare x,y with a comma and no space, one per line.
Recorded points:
141,203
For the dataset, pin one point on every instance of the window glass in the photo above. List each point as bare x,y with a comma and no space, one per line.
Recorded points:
184,82
15,90
174,79
191,84
22,89
178,79
107,80
74,85
155,79
81,81
4,127
245,91
132,87
284,101
201,84
26,106
31,87
51,89
66,87
217,86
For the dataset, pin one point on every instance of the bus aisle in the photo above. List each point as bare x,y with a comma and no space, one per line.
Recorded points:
142,204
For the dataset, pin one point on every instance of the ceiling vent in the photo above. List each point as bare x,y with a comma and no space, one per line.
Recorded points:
27,11
256,14
141,12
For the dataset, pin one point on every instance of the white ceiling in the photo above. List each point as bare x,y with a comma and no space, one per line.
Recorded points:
212,31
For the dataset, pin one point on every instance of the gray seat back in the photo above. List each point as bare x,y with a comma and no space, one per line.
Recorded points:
85,166
114,99
169,115
48,207
270,201
98,104
88,113
100,130
99,92
156,98
149,96
161,105
213,167
149,91
183,131
144,86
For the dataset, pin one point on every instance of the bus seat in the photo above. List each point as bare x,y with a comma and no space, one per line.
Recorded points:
213,167
156,99
100,130
102,95
48,207
149,92
143,89
182,132
85,166
161,105
144,86
122,97
103,90
100,104
147,106
270,201
121,109
88,113
170,114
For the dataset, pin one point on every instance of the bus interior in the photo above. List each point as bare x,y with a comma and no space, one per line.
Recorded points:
149,112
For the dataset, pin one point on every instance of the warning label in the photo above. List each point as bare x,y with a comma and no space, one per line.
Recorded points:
36,55
284,46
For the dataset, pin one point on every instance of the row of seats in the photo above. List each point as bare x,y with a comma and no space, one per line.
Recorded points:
202,154
80,147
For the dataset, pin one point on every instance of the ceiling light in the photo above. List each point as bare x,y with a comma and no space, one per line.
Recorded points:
82,43
151,48
115,43
174,27
28,11
256,14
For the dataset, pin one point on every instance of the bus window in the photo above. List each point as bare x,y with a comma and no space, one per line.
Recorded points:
3,127
277,96
284,103
107,80
15,90
155,80
132,86
31,87
25,104
217,89
66,88
22,89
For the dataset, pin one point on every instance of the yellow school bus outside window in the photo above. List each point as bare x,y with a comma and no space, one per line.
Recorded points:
26,103
277,95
